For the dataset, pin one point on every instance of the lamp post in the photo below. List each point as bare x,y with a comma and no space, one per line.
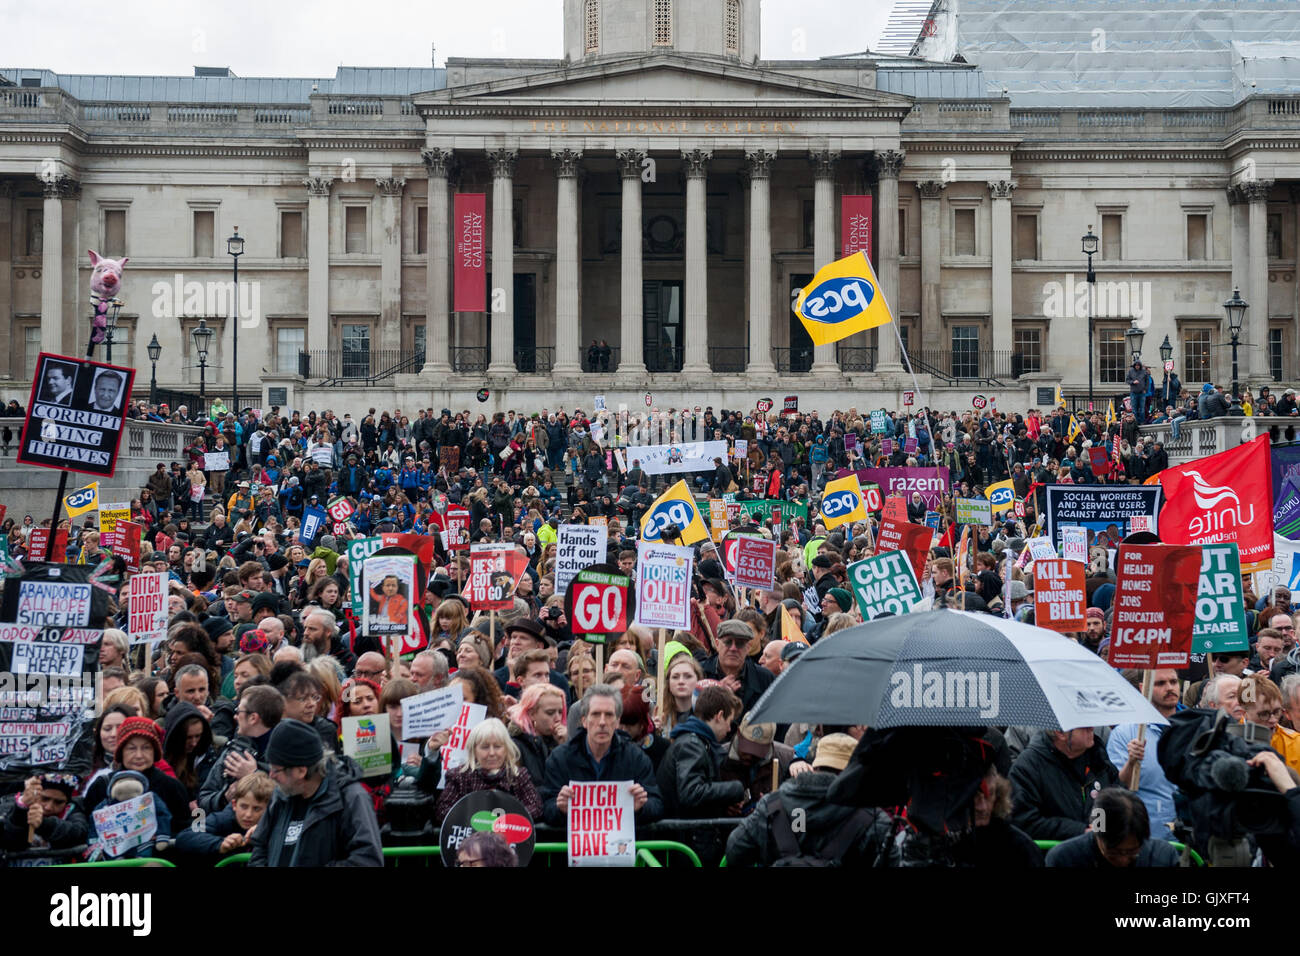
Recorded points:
1090,243
1236,308
110,326
235,247
155,352
202,340
1166,353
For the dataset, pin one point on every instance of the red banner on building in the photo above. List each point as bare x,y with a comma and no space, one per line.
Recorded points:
912,539
856,232
1155,605
470,260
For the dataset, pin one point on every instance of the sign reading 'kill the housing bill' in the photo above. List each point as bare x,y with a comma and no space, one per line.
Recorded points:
75,415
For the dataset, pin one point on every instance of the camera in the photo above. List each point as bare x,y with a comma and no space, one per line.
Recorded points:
554,613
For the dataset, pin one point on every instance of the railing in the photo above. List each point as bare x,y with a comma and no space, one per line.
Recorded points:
599,359
968,365
356,106
1201,437
117,112
289,115
728,358
357,366
663,358
20,99
467,358
793,361
156,441
535,361
856,358
204,115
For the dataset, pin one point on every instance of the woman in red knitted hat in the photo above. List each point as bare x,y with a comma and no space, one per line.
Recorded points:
139,748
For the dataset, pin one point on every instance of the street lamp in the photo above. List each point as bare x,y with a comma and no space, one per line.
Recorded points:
1166,353
1236,308
1090,243
202,340
1134,336
235,246
110,326
155,352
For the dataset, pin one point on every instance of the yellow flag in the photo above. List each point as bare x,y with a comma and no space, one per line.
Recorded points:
789,629
82,500
843,298
1059,399
842,502
1110,412
1001,495
674,506
1076,429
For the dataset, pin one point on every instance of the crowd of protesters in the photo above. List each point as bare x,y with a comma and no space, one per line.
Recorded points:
234,720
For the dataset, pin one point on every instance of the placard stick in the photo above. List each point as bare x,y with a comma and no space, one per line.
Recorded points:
1148,684
659,663
776,770
492,618
600,659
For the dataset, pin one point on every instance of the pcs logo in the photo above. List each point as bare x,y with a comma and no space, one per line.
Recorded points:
82,498
839,503
1002,496
837,300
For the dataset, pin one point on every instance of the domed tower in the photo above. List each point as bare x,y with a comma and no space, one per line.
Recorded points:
598,28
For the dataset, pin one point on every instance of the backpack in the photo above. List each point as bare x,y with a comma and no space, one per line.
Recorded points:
788,845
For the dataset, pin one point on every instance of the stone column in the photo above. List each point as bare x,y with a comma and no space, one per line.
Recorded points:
930,334
632,332
56,190
889,163
758,164
567,318
503,260
9,348
390,263
697,263
1001,191
318,265
1255,330
1289,367
823,163
438,244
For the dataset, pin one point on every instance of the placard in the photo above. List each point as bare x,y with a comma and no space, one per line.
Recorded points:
663,585
977,511
884,584
367,740
602,824
358,550
76,414
597,604
1220,626
423,715
904,536
216,461
886,446
1040,549
577,546
878,419
453,751
390,585
1074,544
121,827
1060,595
932,483
1098,507
718,523
38,544
494,573
147,606
457,521
490,811
1155,605
341,509
755,563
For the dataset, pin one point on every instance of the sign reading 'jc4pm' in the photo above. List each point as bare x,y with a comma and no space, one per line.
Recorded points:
843,298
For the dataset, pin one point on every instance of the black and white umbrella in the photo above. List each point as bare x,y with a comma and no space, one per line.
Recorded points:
951,669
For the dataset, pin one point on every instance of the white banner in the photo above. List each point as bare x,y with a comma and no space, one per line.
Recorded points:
679,458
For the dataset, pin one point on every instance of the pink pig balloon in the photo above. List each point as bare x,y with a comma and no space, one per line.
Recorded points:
105,283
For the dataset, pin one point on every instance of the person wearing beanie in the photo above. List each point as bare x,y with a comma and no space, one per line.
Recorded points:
320,815
46,814
1095,627
140,749
834,601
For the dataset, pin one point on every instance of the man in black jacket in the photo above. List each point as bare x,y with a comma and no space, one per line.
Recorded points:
258,713
732,666
690,774
600,751
1053,782
1124,841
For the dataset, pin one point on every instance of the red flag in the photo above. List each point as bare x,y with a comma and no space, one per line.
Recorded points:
1225,497
947,540
855,226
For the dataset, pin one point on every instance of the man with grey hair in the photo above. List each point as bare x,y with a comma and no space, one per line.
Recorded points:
429,670
320,636
1221,692
598,752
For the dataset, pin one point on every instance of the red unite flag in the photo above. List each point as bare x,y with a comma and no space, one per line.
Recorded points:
1222,498
469,266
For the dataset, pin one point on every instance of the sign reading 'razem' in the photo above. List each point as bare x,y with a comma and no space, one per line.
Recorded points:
75,415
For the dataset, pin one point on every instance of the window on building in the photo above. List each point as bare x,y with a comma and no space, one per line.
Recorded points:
591,26
1027,350
355,229
1026,238
731,26
1197,355
965,351
417,337
289,341
291,235
809,222
421,230
1112,247
1275,354
1275,235
902,232
963,232
114,233
1112,360
904,333
205,230
1197,224
663,23
31,349
356,350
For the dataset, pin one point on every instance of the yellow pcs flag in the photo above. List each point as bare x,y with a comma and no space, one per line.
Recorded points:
1110,413
674,506
82,500
789,629
842,299
842,502
1076,429
1001,495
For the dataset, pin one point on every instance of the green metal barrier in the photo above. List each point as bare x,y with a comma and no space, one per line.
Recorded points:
554,854
135,862
1195,857
646,858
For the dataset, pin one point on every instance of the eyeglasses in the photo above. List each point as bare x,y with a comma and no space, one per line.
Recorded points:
735,642
360,673
1278,713
1289,627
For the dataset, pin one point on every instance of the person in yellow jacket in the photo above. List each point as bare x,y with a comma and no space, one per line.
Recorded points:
241,500
548,533
1262,700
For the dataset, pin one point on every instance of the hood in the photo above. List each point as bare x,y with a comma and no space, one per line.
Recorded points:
173,735
693,725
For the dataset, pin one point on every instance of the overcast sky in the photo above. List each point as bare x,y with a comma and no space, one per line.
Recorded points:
294,38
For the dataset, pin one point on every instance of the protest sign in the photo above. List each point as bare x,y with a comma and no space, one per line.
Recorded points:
762,509
597,603
453,751
904,536
425,714
878,419
978,511
76,414
80,501
663,585
895,508
457,522
1060,597
1040,549
577,546
494,572
358,550
126,544
313,522
340,509
886,446
755,563
487,811
147,607
602,826
121,827
1074,544
909,446
1285,472
932,520
718,523
216,461
1155,605
850,441
38,546
1100,508
932,483
1098,460
109,516
741,449
367,741
678,458
390,585
1139,523
884,583
676,506
1220,625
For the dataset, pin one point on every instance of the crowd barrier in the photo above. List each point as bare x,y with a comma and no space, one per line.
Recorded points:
551,854
1191,854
